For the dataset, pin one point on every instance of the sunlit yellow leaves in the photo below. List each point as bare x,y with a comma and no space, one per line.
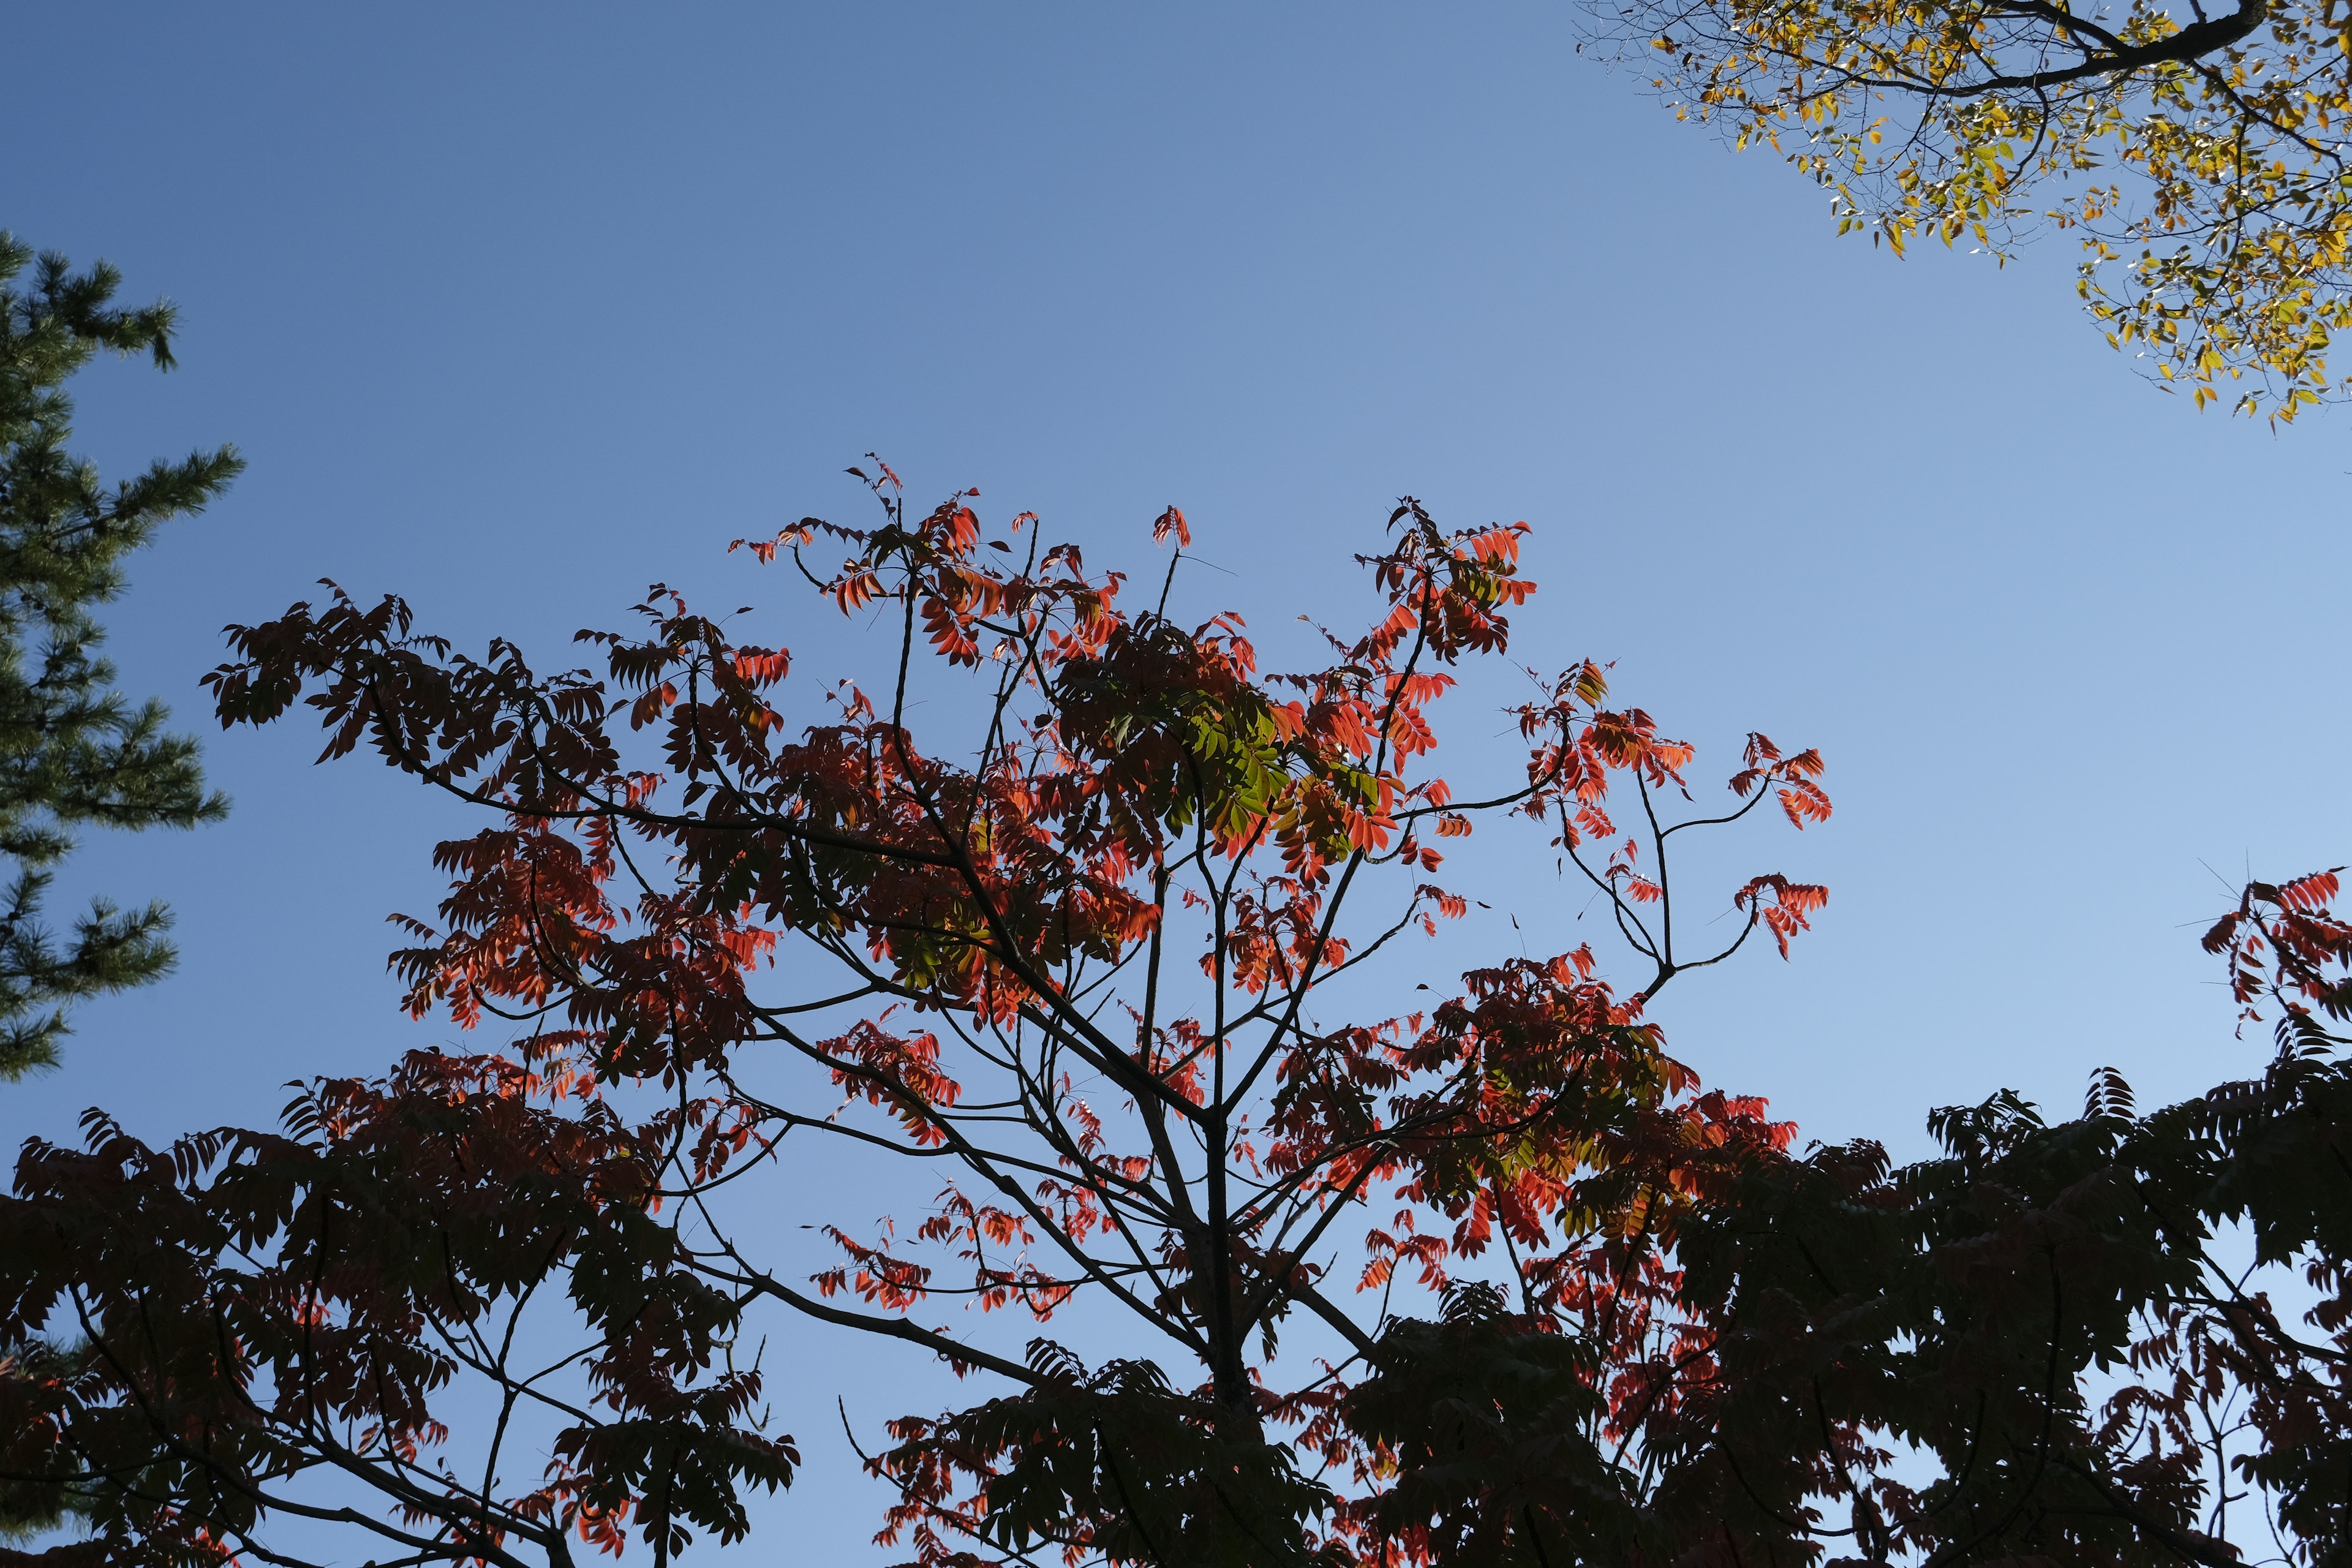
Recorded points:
2225,123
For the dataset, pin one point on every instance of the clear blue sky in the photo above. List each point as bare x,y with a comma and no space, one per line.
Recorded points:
517,309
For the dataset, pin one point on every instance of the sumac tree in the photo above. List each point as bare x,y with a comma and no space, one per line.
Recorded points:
1072,972
1112,972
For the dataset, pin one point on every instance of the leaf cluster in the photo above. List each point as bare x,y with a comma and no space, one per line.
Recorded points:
2037,1347
2200,154
255,1310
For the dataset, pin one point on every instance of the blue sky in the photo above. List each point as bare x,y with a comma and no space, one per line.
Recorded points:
514,311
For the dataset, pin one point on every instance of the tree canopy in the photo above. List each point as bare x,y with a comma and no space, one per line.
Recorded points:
73,750
2199,152
1110,957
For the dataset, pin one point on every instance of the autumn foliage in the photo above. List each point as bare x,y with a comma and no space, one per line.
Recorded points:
1486,1278
2198,153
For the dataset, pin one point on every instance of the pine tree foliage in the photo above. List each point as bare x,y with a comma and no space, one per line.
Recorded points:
73,750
